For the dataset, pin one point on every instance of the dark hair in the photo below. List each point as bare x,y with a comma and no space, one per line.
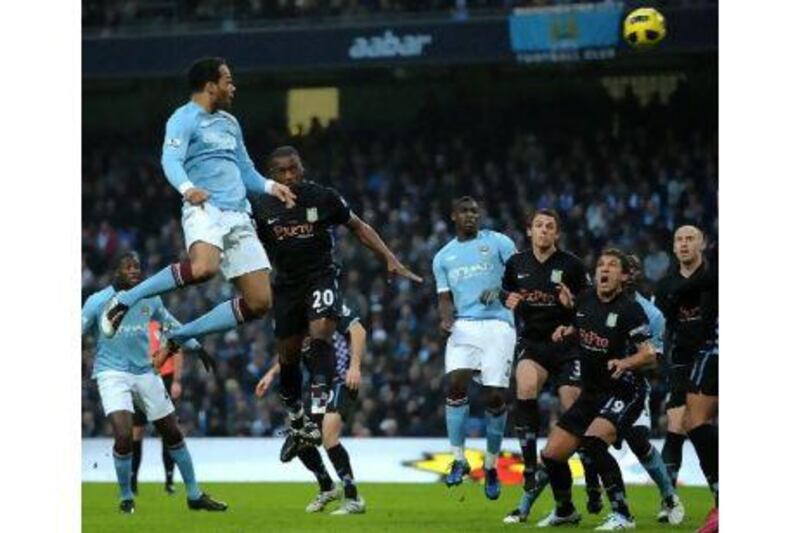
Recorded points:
552,213
619,254
461,200
122,256
284,151
203,71
635,267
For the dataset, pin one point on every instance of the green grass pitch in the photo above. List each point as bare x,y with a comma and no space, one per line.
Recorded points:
390,507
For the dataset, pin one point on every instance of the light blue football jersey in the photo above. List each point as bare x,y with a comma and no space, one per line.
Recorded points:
467,268
656,320
207,150
129,349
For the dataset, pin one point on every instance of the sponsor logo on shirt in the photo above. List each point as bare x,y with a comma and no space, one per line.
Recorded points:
688,314
219,140
538,297
300,231
467,272
592,341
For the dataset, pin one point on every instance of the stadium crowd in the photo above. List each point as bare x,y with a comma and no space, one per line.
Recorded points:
627,181
110,16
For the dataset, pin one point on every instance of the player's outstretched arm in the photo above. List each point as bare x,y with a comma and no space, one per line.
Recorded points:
266,381
370,238
358,345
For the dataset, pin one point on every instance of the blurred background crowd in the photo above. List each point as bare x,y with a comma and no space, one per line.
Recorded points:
627,177
111,16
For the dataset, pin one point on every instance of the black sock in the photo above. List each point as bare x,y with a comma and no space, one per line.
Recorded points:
672,453
341,462
169,462
610,474
137,460
706,443
526,420
540,481
291,384
638,439
590,474
561,483
312,460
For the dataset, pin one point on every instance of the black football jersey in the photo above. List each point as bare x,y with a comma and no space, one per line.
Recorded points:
537,282
299,240
690,307
606,331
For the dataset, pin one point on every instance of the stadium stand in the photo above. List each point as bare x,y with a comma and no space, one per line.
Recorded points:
627,180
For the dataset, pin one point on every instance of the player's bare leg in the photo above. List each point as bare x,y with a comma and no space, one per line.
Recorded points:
256,290
168,428
122,427
599,436
456,414
567,394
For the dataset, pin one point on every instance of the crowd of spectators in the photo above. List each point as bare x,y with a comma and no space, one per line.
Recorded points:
627,181
109,16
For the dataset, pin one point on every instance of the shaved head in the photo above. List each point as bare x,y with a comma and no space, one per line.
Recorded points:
688,245
688,229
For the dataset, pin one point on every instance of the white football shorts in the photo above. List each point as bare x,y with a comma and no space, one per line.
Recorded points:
119,390
232,232
485,346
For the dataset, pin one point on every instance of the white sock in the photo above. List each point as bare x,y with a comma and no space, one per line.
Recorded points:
458,452
490,461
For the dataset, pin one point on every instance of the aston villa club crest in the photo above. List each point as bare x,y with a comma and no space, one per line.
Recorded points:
311,214
556,275
611,321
